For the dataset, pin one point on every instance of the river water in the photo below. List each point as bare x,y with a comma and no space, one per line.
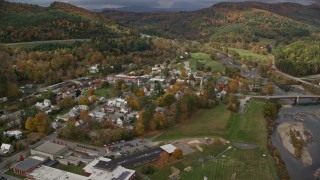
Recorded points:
309,115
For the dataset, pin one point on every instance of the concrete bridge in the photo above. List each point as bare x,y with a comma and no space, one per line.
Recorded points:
295,97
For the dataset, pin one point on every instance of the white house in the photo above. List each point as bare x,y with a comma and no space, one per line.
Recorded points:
16,133
120,121
97,115
45,105
6,149
94,69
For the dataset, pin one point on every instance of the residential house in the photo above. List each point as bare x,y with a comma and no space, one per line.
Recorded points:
94,69
16,134
108,109
6,149
116,118
97,115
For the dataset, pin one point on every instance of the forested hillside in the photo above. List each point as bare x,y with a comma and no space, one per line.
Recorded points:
300,58
246,22
23,22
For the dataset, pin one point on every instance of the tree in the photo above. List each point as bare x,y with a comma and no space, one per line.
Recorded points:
42,122
140,92
233,86
29,125
123,86
268,89
183,72
164,159
177,153
84,115
91,91
140,129
169,99
84,101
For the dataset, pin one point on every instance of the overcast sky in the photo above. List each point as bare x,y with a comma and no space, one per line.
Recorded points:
98,4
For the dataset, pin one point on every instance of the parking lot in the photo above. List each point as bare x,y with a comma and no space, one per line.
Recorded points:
129,147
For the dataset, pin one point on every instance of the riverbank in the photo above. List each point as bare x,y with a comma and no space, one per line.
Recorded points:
286,130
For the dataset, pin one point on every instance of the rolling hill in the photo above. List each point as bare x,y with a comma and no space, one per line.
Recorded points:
231,22
24,22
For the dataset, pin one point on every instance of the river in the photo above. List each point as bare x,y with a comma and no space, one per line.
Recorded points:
309,115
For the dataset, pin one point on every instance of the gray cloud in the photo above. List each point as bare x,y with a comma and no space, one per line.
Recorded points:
91,4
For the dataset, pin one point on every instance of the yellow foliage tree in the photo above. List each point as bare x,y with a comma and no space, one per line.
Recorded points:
29,125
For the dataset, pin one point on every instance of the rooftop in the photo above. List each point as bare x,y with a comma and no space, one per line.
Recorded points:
46,172
28,163
49,147
169,148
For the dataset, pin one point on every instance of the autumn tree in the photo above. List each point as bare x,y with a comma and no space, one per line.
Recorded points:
123,86
84,115
183,72
140,92
233,87
30,125
164,159
91,91
84,101
177,153
268,89
169,99
42,122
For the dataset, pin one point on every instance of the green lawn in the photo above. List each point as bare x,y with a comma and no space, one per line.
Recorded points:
103,92
246,53
71,168
206,59
245,164
249,127
206,122
33,44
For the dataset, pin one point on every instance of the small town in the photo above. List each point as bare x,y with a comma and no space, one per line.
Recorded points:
156,90
74,113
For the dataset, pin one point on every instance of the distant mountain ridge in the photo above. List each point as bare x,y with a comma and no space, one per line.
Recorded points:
24,22
228,22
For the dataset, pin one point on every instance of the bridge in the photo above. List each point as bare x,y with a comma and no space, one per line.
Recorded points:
295,97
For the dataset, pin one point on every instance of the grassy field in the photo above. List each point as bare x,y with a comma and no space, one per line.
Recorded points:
243,164
206,122
246,53
238,163
103,92
29,45
249,127
206,59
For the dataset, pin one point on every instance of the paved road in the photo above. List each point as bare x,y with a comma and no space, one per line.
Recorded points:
14,158
292,77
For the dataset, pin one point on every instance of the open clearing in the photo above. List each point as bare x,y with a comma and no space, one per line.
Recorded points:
237,163
33,44
249,54
206,59
205,122
249,127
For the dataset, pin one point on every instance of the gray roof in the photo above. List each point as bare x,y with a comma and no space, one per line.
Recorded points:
28,164
49,147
